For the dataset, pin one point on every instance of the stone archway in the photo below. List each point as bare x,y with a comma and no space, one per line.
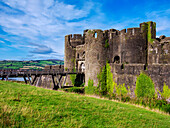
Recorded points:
82,67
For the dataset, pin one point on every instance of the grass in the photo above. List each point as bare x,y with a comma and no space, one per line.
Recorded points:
27,106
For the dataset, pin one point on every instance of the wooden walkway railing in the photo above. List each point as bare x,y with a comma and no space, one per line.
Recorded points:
5,74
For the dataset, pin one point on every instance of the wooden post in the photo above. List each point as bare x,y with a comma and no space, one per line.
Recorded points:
6,78
38,80
8,74
64,80
55,87
59,80
25,79
3,78
34,79
29,79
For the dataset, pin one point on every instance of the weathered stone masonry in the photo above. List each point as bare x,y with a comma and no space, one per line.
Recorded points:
128,51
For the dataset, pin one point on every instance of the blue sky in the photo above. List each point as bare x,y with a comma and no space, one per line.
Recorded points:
35,29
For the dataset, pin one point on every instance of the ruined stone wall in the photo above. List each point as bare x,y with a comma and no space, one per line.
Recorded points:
159,51
128,73
71,41
80,57
54,67
80,52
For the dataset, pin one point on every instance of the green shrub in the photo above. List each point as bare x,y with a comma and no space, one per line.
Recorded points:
109,81
75,89
166,92
144,86
121,90
73,77
105,78
166,108
103,81
82,85
90,89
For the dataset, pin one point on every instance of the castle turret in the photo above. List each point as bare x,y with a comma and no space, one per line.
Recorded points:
148,30
71,41
95,57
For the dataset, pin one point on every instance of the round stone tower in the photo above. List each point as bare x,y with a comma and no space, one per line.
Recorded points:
69,54
95,57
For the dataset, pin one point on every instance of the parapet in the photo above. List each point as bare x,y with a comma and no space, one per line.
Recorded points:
74,36
130,31
149,28
75,39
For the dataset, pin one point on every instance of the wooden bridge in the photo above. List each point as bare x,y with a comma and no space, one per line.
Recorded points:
31,75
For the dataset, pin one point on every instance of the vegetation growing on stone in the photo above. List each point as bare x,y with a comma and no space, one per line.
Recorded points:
106,43
149,35
91,31
73,77
73,60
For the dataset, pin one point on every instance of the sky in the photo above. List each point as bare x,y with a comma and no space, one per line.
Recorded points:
35,29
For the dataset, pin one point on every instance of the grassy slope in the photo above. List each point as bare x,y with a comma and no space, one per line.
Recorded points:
39,107
20,64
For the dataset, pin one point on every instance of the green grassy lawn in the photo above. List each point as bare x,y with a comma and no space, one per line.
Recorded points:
38,107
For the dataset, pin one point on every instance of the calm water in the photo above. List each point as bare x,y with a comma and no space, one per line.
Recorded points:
16,79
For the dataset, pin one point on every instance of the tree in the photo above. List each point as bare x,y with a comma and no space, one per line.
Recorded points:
105,78
144,86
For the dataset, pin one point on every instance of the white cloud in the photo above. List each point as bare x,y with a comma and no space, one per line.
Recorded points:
43,21
2,41
161,18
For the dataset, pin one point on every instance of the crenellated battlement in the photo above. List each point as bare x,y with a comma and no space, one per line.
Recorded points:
75,39
76,36
130,31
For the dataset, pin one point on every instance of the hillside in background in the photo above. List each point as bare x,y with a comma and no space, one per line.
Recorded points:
32,64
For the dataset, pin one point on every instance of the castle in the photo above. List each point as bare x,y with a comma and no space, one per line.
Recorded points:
128,52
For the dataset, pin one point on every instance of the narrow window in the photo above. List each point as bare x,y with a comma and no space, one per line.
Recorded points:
78,55
116,59
133,32
95,35
122,66
145,67
98,56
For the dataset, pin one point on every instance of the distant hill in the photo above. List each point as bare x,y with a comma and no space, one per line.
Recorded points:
32,64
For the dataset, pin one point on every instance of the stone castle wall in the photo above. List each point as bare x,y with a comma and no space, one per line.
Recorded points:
128,73
127,44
